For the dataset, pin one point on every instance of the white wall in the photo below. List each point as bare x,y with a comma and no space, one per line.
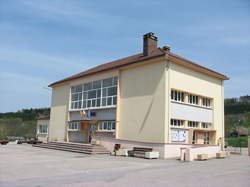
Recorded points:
191,113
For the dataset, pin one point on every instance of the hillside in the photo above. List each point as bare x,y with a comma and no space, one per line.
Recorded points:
237,116
21,123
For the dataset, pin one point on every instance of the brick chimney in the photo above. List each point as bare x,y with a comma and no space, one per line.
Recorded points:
149,43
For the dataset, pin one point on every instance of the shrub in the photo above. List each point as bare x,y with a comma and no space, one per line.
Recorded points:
237,142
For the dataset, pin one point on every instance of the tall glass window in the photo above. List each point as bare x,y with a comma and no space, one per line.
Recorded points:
43,129
96,94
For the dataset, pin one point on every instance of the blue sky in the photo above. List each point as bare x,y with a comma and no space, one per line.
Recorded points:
42,41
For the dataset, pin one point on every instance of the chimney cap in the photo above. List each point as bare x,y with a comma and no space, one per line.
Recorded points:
166,48
150,35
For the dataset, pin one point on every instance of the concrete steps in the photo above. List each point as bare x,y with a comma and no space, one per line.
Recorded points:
74,147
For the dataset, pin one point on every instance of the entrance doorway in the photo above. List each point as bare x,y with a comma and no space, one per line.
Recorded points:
91,131
88,130
206,137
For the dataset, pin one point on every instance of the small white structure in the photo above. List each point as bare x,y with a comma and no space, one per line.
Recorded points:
151,155
42,128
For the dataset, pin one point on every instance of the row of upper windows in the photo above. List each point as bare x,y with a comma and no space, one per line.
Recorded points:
95,85
94,94
192,99
192,124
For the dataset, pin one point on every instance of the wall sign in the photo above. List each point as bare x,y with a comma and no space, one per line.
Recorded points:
178,135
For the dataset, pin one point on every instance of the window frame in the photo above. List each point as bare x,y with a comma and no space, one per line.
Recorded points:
74,126
90,95
205,125
177,122
107,126
42,129
193,99
206,102
177,96
193,124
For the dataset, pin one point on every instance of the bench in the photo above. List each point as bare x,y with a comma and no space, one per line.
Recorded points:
139,151
4,142
29,141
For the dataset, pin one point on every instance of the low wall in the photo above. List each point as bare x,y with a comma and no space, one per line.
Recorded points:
109,143
174,150
165,150
42,137
209,150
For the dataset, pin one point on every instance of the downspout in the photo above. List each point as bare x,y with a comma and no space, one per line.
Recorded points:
223,115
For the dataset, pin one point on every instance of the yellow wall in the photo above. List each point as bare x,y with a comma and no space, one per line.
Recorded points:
59,113
60,105
142,103
184,79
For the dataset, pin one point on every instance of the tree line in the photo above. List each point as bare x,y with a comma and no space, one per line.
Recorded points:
21,123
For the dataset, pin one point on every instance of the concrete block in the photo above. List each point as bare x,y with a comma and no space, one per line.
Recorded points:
151,155
202,156
95,142
112,153
221,155
118,153
189,156
124,152
183,154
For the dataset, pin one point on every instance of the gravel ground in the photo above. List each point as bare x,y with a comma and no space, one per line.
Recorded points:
24,165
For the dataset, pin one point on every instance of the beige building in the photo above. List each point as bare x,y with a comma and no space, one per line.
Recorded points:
155,99
42,128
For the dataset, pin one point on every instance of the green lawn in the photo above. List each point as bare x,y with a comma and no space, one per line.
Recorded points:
237,142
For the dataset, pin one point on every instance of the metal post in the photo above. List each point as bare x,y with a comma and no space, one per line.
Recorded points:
248,145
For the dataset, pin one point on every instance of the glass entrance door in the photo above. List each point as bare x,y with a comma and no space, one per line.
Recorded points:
206,137
91,130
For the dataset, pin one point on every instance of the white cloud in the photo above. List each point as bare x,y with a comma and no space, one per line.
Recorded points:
226,32
11,81
73,12
237,40
42,61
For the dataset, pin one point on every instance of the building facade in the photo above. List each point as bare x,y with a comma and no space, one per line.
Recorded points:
42,128
155,98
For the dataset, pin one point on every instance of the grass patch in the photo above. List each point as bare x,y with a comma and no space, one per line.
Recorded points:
237,142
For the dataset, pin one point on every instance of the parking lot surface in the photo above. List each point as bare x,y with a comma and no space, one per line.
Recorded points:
24,165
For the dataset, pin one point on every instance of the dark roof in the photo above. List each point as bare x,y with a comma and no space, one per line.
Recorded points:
43,118
158,52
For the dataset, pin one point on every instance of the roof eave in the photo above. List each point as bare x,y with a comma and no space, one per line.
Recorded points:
197,67
115,67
